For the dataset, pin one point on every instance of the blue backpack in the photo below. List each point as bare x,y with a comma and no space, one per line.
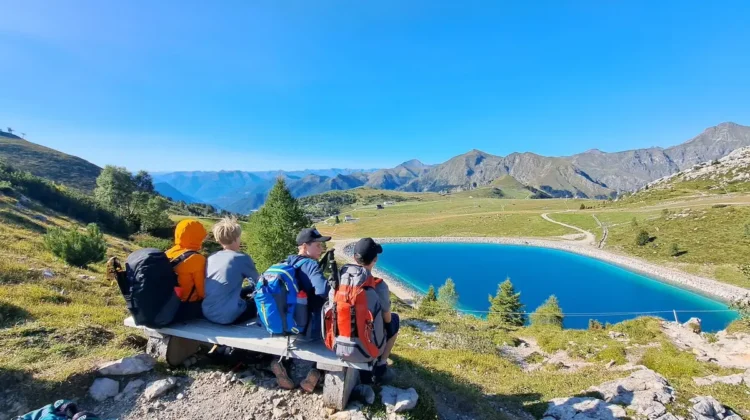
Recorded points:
276,298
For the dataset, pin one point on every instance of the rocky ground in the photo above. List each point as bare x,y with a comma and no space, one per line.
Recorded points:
132,389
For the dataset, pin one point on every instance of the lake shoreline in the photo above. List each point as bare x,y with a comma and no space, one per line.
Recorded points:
713,289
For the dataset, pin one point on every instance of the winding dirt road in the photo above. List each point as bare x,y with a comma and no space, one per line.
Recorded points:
590,237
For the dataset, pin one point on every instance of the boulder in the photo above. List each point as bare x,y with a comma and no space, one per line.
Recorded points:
583,408
708,408
736,379
644,391
103,388
130,389
398,400
128,366
158,388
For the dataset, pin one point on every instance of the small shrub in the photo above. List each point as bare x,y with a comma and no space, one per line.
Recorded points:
583,207
75,247
642,238
595,325
643,330
634,222
534,358
6,188
674,250
612,352
719,206
665,213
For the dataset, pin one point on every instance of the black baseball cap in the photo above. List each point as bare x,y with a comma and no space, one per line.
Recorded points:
311,235
366,249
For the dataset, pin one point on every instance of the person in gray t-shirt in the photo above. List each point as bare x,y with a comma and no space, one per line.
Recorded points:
226,301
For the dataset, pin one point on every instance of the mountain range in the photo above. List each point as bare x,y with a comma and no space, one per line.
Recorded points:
592,174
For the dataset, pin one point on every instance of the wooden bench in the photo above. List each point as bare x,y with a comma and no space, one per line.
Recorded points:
178,341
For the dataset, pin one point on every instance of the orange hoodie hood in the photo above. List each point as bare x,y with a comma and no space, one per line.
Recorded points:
189,234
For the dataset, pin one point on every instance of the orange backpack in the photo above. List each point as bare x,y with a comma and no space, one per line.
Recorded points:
352,319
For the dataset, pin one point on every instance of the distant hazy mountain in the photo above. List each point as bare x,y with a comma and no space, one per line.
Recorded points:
51,164
169,191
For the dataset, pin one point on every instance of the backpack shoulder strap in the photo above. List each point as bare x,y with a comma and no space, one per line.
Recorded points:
299,263
181,258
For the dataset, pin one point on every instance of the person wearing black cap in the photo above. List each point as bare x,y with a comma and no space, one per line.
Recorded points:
366,252
312,284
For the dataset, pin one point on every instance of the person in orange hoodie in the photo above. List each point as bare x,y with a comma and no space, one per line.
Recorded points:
191,270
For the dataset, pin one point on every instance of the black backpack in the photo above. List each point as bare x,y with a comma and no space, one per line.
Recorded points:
148,286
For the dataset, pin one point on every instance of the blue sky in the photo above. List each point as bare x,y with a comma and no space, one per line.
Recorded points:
257,85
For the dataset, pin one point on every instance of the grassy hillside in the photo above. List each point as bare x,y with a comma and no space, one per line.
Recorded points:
53,331
47,163
454,216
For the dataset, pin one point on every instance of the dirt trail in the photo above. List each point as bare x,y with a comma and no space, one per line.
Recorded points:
605,231
590,237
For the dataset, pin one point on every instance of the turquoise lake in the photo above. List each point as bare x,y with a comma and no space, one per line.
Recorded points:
583,285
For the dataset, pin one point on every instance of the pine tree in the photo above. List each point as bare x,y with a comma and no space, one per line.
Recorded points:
447,295
506,306
431,296
428,305
272,230
549,314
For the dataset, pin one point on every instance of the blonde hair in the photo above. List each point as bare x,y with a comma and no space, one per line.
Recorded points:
227,230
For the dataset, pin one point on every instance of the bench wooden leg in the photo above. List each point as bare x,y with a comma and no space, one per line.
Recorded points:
338,387
172,349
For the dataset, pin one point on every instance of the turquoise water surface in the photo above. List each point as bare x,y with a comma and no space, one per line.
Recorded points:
583,285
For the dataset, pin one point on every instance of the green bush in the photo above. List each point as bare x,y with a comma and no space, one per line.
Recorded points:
595,325
674,250
642,238
75,247
6,188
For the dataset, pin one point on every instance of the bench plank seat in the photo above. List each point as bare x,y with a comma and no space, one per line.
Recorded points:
251,337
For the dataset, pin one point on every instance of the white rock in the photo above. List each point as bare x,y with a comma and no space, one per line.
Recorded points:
708,408
180,396
399,400
736,379
128,366
159,388
130,389
644,391
103,388
47,273
582,408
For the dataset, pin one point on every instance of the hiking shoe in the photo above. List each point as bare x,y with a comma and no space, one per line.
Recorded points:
382,375
310,381
282,377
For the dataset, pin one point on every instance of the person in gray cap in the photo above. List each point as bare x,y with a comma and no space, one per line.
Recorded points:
366,252
313,284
